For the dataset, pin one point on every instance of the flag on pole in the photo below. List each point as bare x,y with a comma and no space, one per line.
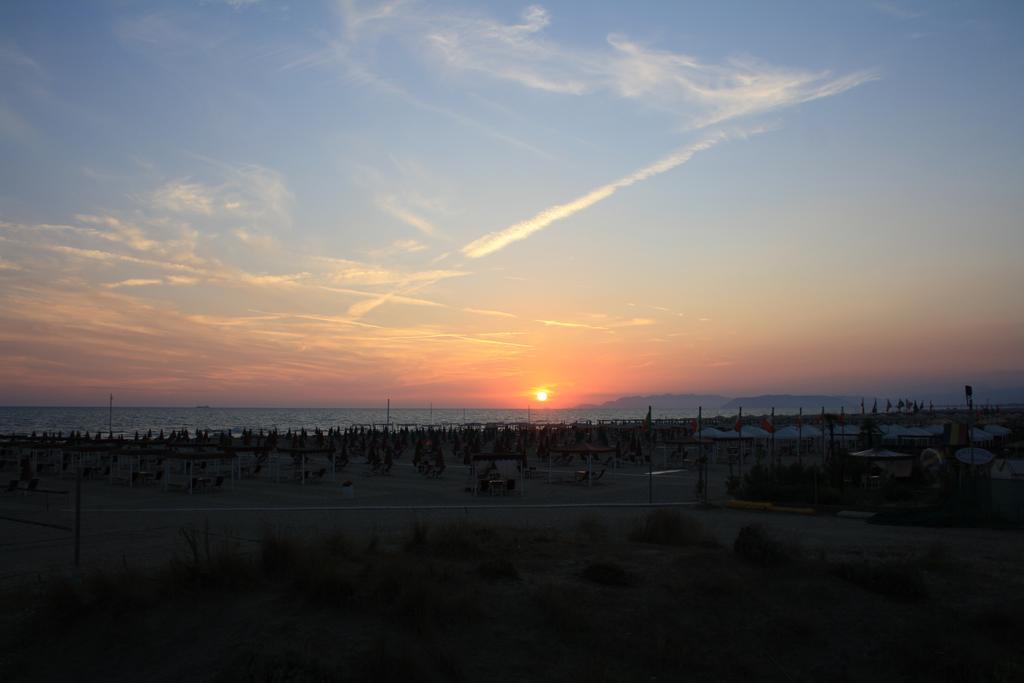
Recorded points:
693,426
647,420
874,407
862,405
842,415
767,425
738,425
888,405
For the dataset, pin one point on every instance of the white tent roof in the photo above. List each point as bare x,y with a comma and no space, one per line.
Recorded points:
974,456
710,433
981,436
935,430
997,430
755,432
789,433
880,454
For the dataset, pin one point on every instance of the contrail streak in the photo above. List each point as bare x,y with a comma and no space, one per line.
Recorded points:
495,241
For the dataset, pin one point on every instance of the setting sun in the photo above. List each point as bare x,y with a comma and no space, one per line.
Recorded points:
542,396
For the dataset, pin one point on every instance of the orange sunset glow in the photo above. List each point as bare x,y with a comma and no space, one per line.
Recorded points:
455,226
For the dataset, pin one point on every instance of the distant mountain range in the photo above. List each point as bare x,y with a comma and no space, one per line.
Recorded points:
662,402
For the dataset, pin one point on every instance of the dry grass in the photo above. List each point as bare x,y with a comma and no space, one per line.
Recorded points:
464,602
668,527
758,546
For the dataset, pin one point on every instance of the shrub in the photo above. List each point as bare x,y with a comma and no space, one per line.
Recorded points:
498,568
794,483
668,527
207,563
417,540
608,574
561,610
592,528
324,583
278,554
459,540
754,544
900,581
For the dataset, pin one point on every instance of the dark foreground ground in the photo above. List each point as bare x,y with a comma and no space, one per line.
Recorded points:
457,601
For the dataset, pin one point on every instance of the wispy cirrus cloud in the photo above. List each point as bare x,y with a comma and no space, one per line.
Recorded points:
134,282
698,93
488,312
250,192
391,206
495,241
572,325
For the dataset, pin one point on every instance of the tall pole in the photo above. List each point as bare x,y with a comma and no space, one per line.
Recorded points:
823,435
703,455
78,510
799,434
739,439
110,418
773,435
387,419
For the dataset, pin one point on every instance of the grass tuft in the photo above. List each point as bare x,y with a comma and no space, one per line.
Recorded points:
497,569
592,529
608,574
756,545
668,527
897,580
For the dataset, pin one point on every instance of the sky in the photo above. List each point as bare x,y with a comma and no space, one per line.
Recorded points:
252,202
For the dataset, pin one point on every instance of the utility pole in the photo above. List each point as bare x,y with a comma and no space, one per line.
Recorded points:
78,511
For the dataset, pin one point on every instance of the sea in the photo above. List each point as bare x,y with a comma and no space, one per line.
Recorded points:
125,420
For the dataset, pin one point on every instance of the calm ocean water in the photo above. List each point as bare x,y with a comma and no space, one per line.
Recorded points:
130,420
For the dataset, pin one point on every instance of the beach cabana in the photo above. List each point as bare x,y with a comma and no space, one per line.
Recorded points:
497,473
893,463
586,452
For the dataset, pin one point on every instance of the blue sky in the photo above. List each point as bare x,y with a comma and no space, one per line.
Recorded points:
469,201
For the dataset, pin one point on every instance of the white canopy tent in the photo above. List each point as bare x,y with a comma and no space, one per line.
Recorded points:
981,436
